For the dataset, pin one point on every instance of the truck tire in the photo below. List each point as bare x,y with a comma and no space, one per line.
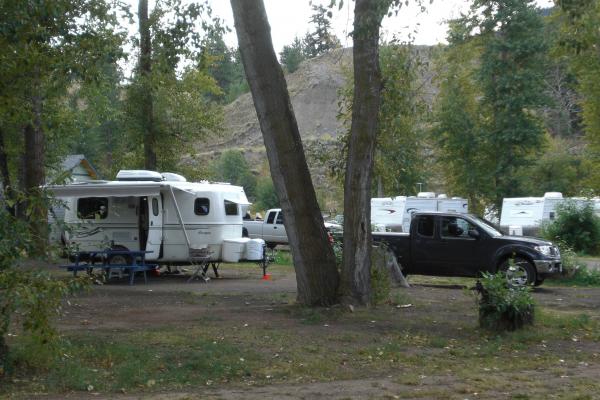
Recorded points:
520,273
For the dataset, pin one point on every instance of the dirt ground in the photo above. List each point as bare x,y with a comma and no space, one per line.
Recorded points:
240,296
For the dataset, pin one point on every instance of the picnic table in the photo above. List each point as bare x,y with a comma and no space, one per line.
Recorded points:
132,261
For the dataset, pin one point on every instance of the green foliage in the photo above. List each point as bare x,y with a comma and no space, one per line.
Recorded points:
321,39
576,225
502,307
266,196
497,88
557,170
30,297
381,286
232,167
292,55
579,39
399,163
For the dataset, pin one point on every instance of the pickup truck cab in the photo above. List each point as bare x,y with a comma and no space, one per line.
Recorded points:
271,229
451,244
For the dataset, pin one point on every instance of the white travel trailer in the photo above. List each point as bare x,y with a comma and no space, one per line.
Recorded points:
525,215
146,210
395,213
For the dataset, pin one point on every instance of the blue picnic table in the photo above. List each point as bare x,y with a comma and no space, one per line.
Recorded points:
100,259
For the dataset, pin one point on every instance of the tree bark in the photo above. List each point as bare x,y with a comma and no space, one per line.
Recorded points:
5,175
316,273
356,280
34,176
145,69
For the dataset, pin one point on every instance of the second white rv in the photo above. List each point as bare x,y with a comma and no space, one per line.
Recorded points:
395,213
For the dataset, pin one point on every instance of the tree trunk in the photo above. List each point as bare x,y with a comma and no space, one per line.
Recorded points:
314,261
145,69
5,175
34,176
356,280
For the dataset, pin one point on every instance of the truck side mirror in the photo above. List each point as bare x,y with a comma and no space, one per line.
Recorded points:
474,233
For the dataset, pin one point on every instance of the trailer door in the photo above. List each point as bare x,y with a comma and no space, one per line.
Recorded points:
155,228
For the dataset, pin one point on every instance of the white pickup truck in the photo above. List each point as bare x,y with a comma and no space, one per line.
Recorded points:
271,229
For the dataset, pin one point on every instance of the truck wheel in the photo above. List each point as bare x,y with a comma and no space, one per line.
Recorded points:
520,273
244,232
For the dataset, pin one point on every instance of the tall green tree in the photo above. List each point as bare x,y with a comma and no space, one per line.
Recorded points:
580,38
232,167
400,158
492,92
321,39
170,101
292,55
45,48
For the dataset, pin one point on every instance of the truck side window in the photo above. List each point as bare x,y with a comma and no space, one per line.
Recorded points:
453,227
201,206
425,225
271,217
92,207
231,208
279,218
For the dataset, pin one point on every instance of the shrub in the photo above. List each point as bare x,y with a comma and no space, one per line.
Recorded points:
380,277
576,225
501,307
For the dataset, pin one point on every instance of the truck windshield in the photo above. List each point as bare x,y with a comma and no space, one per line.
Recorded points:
488,228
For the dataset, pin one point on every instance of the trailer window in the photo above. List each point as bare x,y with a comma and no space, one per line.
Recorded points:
425,226
201,206
155,206
231,208
92,207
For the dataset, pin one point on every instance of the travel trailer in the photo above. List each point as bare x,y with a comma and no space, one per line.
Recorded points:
525,215
395,213
161,213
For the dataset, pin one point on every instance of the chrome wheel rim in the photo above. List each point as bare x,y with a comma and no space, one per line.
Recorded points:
516,275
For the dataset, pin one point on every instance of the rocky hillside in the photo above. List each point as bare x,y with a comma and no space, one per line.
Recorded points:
313,90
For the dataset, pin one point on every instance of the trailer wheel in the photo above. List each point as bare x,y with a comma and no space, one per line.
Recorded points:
519,272
244,232
121,259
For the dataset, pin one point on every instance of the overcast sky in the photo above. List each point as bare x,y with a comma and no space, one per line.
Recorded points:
289,18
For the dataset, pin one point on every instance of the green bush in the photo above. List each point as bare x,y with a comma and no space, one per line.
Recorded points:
575,225
29,298
501,307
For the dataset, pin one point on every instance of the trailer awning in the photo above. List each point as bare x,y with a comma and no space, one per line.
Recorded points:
238,198
105,190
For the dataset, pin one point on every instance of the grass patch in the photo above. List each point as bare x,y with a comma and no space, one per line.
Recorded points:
581,277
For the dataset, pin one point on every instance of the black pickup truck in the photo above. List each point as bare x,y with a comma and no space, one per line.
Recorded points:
450,244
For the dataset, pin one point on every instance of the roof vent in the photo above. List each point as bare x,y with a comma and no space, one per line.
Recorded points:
172,177
553,195
442,196
139,175
427,195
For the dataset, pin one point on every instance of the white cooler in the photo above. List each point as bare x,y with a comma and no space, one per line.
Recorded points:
233,249
254,249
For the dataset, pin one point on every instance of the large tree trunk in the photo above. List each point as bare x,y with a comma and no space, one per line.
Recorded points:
34,176
314,261
5,175
145,69
356,280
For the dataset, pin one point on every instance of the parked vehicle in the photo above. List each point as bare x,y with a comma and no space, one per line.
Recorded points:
454,244
161,213
395,213
271,229
525,215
